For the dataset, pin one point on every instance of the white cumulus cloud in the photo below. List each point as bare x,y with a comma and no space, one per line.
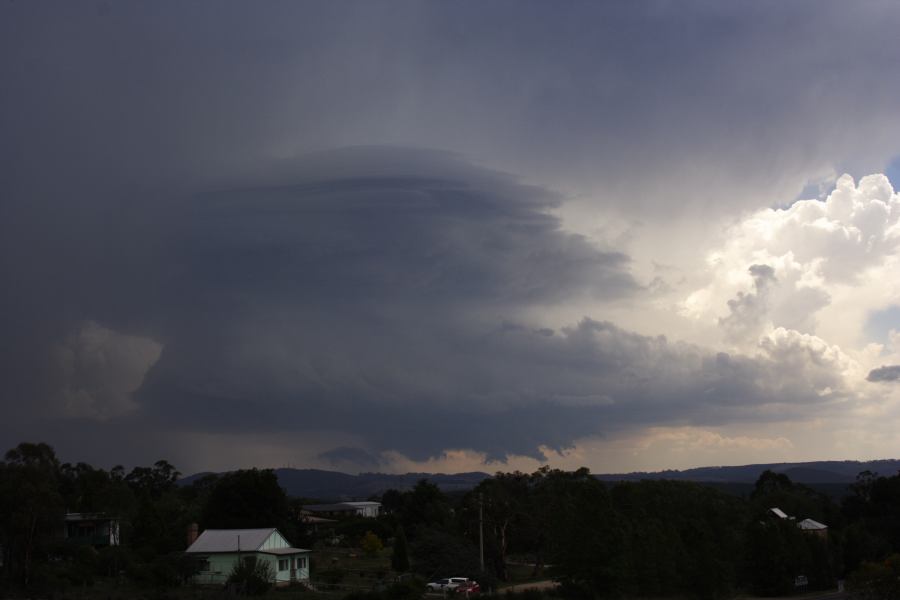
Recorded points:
816,267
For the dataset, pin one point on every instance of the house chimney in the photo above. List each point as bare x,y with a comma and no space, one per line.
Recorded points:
193,533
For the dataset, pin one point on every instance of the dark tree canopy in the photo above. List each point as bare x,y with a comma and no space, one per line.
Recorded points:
247,499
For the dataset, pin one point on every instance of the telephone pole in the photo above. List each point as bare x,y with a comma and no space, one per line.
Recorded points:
481,530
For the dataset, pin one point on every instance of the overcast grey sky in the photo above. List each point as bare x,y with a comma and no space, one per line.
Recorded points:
450,236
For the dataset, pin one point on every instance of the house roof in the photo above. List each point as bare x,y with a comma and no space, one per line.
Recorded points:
779,513
341,507
99,516
362,504
315,520
227,540
810,525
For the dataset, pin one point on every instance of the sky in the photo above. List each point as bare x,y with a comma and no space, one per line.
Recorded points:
450,236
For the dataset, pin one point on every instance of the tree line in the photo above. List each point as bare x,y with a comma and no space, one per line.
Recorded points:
628,539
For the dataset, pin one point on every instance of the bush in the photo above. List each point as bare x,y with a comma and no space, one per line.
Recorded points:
877,581
167,571
251,577
371,544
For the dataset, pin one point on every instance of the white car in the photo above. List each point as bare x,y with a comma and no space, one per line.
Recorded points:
447,584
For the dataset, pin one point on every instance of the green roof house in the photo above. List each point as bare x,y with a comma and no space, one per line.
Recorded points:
219,550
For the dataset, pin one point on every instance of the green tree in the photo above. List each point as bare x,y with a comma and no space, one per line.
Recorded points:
584,532
400,554
424,507
437,551
154,481
31,507
503,501
247,499
161,515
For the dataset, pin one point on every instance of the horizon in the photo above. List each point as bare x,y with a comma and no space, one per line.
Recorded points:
632,237
491,473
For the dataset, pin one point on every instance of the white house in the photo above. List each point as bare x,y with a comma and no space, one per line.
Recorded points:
345,509
219,550
366,509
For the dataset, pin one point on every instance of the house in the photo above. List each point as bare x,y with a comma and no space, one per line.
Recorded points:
806,525
813,527
366,509
92,529
344,509
219,550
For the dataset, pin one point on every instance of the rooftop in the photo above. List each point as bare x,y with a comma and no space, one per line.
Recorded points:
230,540
811,525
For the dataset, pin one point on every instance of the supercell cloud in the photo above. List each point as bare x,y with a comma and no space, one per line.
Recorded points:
438,235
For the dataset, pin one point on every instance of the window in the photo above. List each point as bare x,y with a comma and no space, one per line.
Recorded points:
301,562
282,564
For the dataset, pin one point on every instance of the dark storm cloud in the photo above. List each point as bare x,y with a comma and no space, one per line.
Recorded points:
506,390
386,304
885,373
149,200
386,307
620,98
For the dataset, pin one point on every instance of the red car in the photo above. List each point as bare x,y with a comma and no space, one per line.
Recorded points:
469,588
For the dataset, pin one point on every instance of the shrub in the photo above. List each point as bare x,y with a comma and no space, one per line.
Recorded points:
877,581
251,577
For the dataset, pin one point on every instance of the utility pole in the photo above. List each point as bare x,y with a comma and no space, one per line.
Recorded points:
481,530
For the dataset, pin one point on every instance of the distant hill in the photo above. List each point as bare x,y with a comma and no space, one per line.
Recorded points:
335,486
831,477
831,472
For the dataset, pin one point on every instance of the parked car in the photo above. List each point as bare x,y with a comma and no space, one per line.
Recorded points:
448,584
469,588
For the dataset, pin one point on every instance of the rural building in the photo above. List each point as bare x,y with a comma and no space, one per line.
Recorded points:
92,529
814,527
806,525
366,509
219,550
344,509
778,513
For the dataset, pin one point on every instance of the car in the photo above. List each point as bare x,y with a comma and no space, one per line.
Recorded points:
469,588
448,584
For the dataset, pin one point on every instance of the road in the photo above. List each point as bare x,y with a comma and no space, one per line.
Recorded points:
809,596
531,585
